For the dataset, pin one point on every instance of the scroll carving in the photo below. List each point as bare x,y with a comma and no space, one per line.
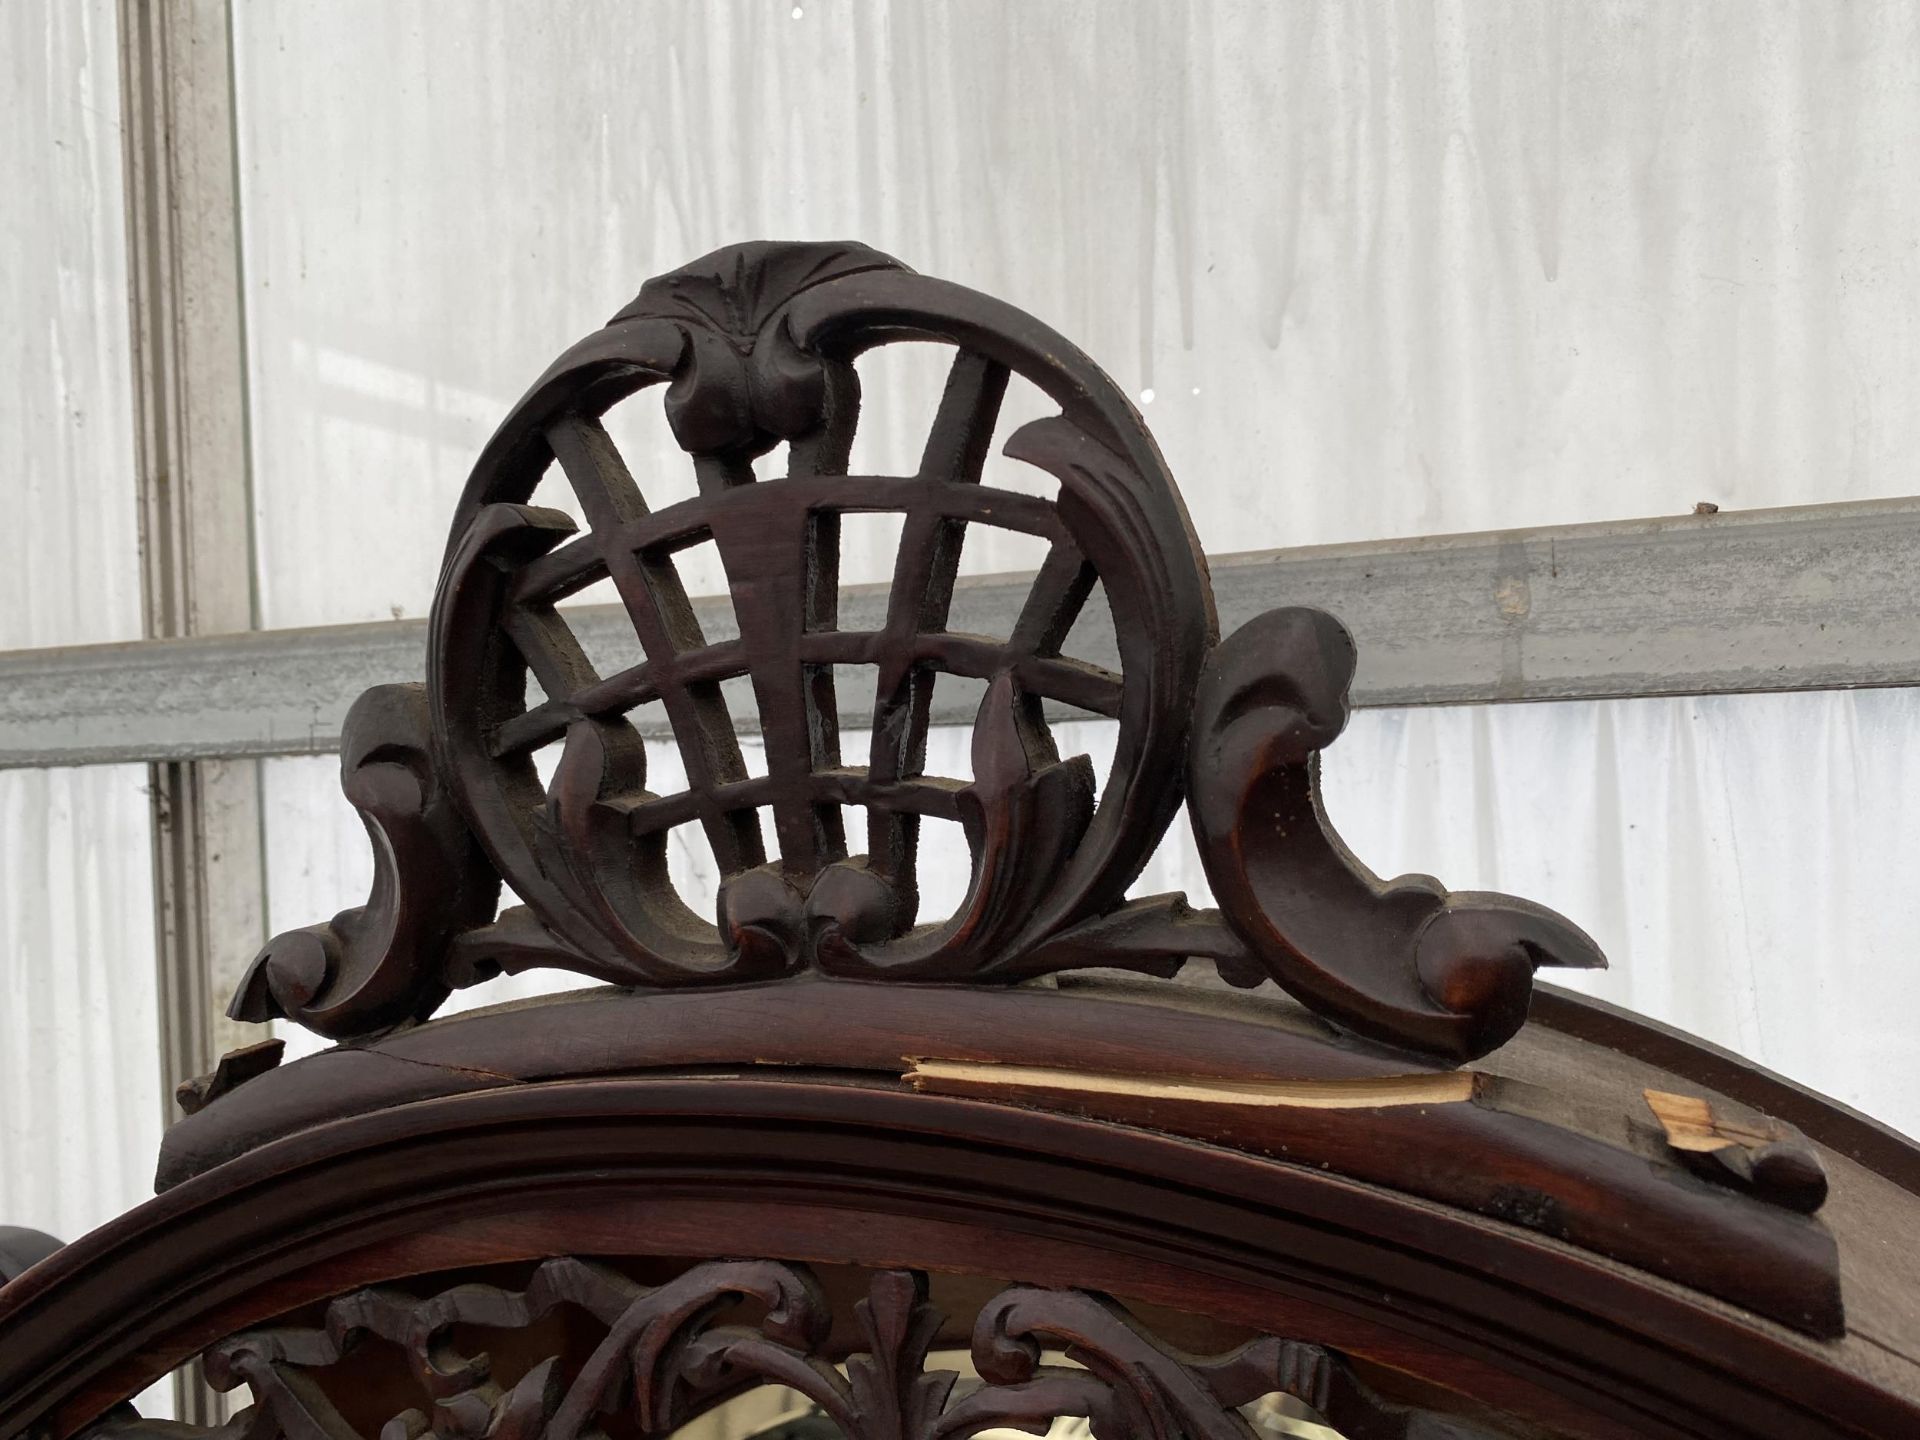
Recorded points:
660,1356
1404,962
377,965
755,345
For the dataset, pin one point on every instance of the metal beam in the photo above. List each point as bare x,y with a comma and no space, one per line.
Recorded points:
190,401
1810,598
189,382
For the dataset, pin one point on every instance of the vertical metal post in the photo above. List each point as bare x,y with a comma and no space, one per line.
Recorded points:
190,398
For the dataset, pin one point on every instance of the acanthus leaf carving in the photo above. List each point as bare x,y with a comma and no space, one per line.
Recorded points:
379,965
660,1356
1402,962
743,384
1024,813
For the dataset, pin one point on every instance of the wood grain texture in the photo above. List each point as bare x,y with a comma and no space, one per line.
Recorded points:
1403,961
1540,1158
1841,1128
509,1171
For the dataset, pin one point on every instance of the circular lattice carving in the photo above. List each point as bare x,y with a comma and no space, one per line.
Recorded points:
755,346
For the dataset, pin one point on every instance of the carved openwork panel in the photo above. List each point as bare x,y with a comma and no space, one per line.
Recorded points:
757,348
646,1360
753,348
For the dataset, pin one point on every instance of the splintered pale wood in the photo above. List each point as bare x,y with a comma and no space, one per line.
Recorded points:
1374,1092
871,1172
1509,1239
1763,1156
1691,1124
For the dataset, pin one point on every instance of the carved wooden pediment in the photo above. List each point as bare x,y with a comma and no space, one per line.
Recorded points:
753,347
1327,1151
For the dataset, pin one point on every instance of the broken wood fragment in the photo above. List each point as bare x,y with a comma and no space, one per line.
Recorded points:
1373,1092
1770,1159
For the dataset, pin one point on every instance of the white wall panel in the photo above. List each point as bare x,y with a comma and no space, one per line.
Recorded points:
79,1049
1746,861
1370,270
79,1054
1385,269
66,435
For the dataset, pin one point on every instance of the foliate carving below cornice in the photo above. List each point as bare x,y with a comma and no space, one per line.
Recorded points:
662,1355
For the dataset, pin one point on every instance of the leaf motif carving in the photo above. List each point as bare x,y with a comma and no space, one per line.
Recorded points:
379,965
1403,962
666,1353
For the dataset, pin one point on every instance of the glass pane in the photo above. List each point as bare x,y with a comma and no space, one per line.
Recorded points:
817,1352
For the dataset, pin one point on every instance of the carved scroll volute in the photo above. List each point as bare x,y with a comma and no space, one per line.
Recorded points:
379,965
1402,962
1124,1381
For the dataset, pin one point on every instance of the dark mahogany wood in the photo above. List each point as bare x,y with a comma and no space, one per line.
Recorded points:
1595,1173
755,346
667,1353
21,1249
1838,1127
1404,963
372,966
1314,1142
819,1169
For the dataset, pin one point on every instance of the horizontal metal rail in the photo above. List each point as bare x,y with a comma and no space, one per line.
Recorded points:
1809,598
